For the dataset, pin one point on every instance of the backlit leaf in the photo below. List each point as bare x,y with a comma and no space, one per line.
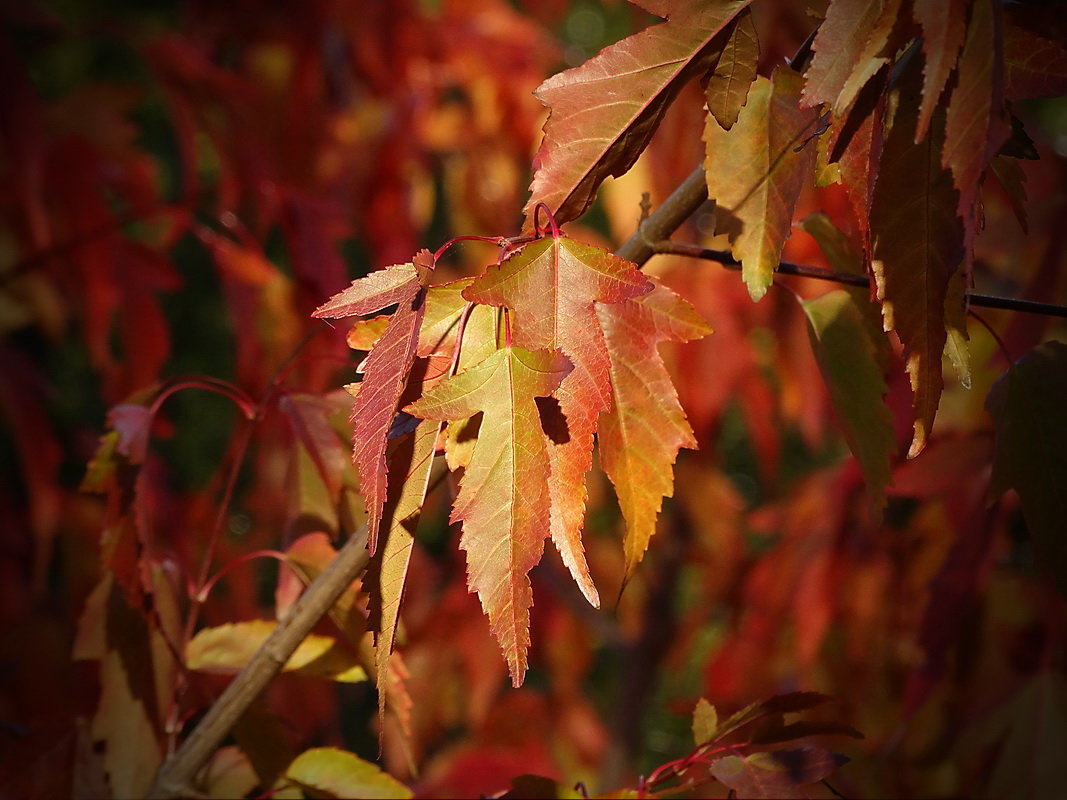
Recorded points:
755,173
1035,55
640,435
1027,407
556,287
503,498
604,112
332,773
386,369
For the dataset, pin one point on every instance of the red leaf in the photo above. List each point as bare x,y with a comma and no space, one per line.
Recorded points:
604,112
943,24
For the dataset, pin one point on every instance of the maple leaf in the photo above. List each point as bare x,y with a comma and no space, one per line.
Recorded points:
943,24
1035,55
386,369
728,81
603,113
503,498
755,173
642,431
553,286
1026,405
917,246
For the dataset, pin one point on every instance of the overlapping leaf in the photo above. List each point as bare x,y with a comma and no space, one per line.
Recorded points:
503,499
756,170
918,244
386,369
556,287
943,24
642,431
604,112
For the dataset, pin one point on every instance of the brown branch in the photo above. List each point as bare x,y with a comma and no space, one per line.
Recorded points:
665,220
176,776
666,247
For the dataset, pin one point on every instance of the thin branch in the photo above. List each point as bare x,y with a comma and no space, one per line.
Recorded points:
665,220
666,247
176,776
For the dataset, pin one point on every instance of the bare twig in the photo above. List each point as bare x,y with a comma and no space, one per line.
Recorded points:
666,247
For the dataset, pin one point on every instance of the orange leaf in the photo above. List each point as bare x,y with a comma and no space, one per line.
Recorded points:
943,26
503,498
729,80
385,372
554,285
641,433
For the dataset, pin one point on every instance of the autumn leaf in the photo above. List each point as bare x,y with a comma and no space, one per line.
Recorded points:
850,30
641,433
227,648
555,287
1026,405
943,24
603,113
778,774
755,173
847,360
975,126
1035,55
705,722
918,244
411,462
503,499
727,83
386,370
332,773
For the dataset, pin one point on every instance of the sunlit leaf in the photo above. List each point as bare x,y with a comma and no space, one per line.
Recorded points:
332,773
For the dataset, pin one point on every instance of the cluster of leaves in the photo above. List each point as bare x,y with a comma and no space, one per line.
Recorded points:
894,144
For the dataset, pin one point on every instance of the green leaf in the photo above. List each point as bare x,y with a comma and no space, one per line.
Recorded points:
329,772
847,361
1027,405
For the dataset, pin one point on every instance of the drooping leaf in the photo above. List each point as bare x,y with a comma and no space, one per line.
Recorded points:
847,360
503,499
332,773
956,346
728,82
755,173
555,287
409,468
604,112
943,24
778,774
1026,405
705,722
789,703
917,246
641,433
227,648
846,44
777,730
975,125
386,370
